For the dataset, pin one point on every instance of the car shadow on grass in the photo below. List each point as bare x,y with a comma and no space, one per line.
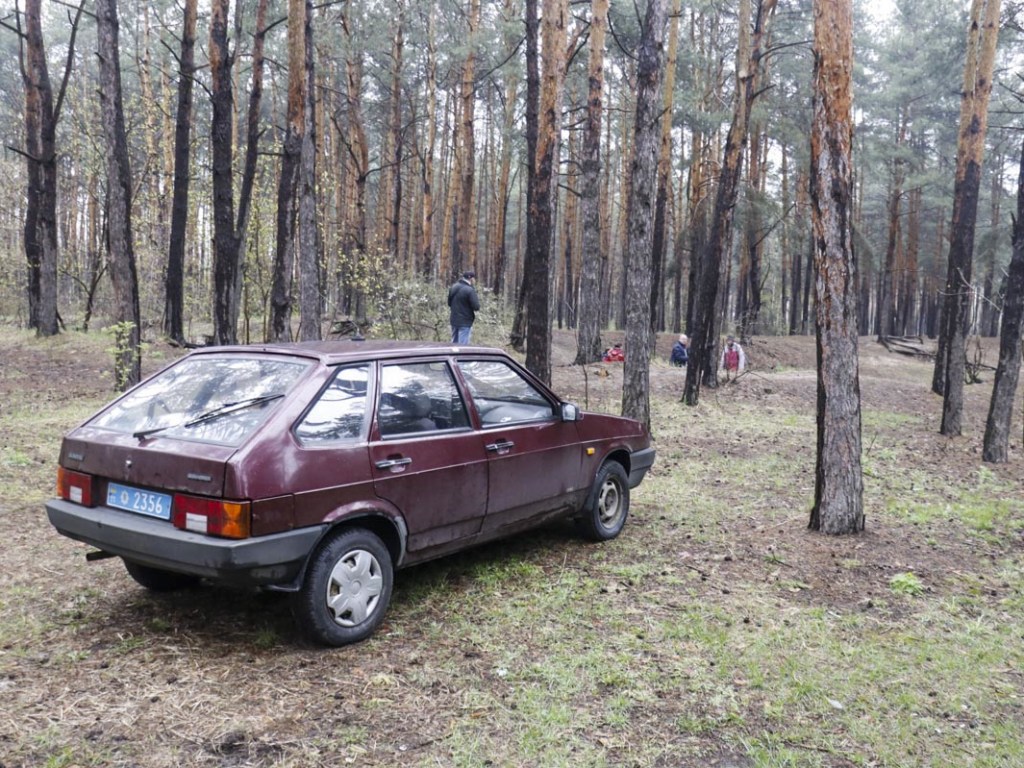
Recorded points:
232,620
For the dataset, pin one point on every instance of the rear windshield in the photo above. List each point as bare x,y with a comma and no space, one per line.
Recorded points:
206,398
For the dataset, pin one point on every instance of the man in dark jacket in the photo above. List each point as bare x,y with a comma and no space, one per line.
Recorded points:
464,304
680,351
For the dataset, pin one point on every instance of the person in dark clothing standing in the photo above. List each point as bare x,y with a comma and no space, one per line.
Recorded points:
464,304
680,351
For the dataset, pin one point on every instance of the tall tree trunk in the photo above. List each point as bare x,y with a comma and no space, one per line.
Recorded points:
517,337
252,129
354,242
465,226
542,203
888,276
749,284
838,487
510,106
226,267
796,283
174,296
588,337
660,247
308,242
291,162
41,240
119,186
394,203
703,364
1000,410
650,73
981,52
906,324
426,249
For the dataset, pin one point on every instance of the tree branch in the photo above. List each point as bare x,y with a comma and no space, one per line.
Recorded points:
70,60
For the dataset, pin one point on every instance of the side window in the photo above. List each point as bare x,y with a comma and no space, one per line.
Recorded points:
340,411
419,397
502,395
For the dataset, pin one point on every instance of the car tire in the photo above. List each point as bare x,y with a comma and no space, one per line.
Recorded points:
347,588
159,580
607,506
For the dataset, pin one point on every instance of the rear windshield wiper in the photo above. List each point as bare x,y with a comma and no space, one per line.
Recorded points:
216,413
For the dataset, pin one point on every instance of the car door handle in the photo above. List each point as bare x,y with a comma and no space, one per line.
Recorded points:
502,447
392,464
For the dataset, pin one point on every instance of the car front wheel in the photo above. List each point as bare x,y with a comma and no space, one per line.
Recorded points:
608,504
346,590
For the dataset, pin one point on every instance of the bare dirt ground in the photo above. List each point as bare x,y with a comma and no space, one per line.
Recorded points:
94,671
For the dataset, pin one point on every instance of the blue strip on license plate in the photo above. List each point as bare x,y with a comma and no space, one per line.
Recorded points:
137,500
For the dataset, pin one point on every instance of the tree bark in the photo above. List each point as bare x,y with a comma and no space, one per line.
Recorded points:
510,106
354,238
252,129
542,204
588,338
888,281
174,297
128,366
970,152
426,249
291,160
650,73
308,242
465,226
838,488
41,243
1000,410
703,364
660,233
226,269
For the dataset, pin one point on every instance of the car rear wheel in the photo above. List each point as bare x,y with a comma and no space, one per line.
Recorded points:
346,590
608,504
158,580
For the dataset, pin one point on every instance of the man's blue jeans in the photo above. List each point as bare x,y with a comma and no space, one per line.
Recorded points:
460,334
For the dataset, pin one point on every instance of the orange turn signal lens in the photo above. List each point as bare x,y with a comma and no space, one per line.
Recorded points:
75,486
230,519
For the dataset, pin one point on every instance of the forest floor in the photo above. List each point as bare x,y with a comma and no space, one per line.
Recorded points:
716,631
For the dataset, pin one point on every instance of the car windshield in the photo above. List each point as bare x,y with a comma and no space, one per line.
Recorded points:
210,399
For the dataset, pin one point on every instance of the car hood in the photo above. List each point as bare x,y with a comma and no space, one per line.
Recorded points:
165,463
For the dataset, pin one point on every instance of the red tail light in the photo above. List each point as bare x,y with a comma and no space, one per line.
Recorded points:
75,486
231,519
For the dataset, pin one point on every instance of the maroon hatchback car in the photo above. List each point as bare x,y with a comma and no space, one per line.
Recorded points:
317,469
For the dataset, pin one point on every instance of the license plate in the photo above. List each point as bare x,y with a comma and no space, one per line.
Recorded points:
137,500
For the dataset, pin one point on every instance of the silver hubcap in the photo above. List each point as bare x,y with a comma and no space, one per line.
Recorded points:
609,503
354,587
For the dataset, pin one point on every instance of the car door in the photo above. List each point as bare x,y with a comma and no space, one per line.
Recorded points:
425,457
534,458
330,468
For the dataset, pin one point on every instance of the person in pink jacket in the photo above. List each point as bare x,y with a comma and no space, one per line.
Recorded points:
733,359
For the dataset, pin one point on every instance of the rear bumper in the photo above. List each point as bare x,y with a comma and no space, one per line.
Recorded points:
639,463
274,560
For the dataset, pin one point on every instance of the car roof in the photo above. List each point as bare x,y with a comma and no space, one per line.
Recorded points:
342,350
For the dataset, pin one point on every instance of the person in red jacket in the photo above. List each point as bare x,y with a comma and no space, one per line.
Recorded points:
733,360
614,354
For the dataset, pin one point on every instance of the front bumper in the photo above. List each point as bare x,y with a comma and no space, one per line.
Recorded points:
639,463
274,560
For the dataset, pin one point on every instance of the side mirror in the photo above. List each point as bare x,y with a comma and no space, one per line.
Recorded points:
571,412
